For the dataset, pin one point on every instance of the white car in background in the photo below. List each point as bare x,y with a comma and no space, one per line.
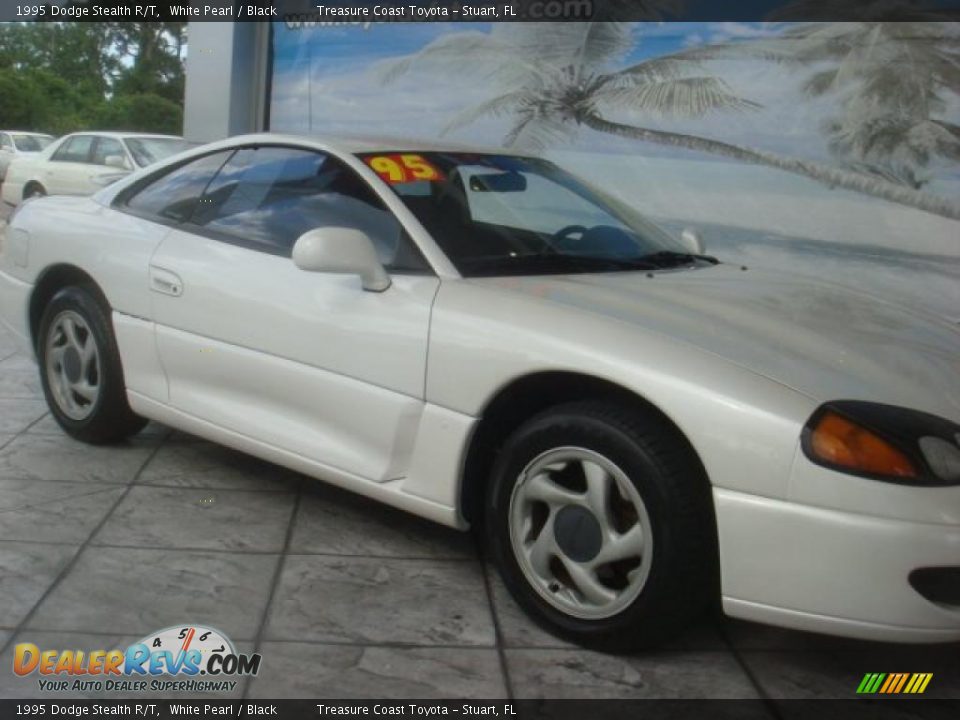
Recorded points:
82,163
16,143
639,430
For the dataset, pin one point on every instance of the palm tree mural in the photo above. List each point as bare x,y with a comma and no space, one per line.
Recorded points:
892,80
552,79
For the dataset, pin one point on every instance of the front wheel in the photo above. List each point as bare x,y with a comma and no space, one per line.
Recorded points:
600,522
80,369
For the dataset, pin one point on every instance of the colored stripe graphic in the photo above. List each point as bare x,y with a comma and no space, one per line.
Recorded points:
894,683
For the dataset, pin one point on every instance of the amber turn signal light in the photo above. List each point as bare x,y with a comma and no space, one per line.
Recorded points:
838,441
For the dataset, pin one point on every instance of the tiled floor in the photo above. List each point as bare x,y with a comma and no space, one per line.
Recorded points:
343,597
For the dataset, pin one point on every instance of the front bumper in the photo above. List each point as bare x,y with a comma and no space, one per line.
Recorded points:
835,571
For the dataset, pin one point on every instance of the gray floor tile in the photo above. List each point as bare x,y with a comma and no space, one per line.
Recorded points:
53,511
580,674
4,636
340,523
136,591
207,465
4,439
49,426
16,415
17,361
41,457
200,519
12,686
20,382
351,671
26,571
421,602
518,630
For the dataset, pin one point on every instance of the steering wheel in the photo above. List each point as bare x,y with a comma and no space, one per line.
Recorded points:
566,232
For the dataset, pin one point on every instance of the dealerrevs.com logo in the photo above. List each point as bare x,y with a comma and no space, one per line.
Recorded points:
183,658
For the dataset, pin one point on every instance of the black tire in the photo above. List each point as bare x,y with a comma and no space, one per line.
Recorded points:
34,189
110,418
681,577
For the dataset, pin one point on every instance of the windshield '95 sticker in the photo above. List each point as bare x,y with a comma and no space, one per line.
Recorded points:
402,168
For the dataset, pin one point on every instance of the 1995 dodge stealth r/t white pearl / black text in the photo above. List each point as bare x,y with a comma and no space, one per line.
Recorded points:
639,430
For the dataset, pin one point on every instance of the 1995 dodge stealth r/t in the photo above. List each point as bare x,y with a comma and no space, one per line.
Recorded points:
639,430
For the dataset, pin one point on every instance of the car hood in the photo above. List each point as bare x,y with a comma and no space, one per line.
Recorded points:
823,340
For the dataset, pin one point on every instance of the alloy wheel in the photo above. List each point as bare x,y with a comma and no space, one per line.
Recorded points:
580,532
73,365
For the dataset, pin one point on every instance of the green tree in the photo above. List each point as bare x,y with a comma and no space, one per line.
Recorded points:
61,77
143,112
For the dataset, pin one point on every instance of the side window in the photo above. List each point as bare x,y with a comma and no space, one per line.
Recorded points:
76,149
104,147
174,196
268,197
5,142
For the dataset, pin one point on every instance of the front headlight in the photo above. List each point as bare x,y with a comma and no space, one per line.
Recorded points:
884,442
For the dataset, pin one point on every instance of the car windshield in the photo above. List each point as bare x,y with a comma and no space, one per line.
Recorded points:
31,143
147,151
507,215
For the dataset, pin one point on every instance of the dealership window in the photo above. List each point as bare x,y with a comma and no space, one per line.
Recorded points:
175,195
268,197
76,150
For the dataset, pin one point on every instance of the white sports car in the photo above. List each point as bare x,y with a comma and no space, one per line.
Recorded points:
82,163
640,430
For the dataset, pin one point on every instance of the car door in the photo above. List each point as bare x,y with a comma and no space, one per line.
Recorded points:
306,362
143,216
68,170
100,172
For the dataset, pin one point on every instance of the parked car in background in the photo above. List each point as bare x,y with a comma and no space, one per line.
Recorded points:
16,143
639,430
82,163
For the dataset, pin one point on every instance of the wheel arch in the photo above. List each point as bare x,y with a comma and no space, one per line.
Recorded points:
29,184
51,281
526,396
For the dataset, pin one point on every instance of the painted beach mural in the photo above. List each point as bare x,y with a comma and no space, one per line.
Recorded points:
829,149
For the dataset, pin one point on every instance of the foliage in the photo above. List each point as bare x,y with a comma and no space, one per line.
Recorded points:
62,77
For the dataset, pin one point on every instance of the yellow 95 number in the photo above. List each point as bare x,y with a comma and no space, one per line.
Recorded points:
396,169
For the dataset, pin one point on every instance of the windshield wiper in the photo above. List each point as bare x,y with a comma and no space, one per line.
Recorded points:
556,263
672,258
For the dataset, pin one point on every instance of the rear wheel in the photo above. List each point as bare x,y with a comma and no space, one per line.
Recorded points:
80,369
600,522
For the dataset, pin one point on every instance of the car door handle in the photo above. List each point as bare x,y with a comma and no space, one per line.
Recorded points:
165,282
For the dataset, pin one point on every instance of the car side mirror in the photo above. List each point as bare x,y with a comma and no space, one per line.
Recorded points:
341,250
116,161
692,241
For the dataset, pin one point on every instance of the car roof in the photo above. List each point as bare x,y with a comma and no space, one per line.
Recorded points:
367,143
121,135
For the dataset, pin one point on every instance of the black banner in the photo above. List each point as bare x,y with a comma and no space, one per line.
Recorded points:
507,709
382,11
